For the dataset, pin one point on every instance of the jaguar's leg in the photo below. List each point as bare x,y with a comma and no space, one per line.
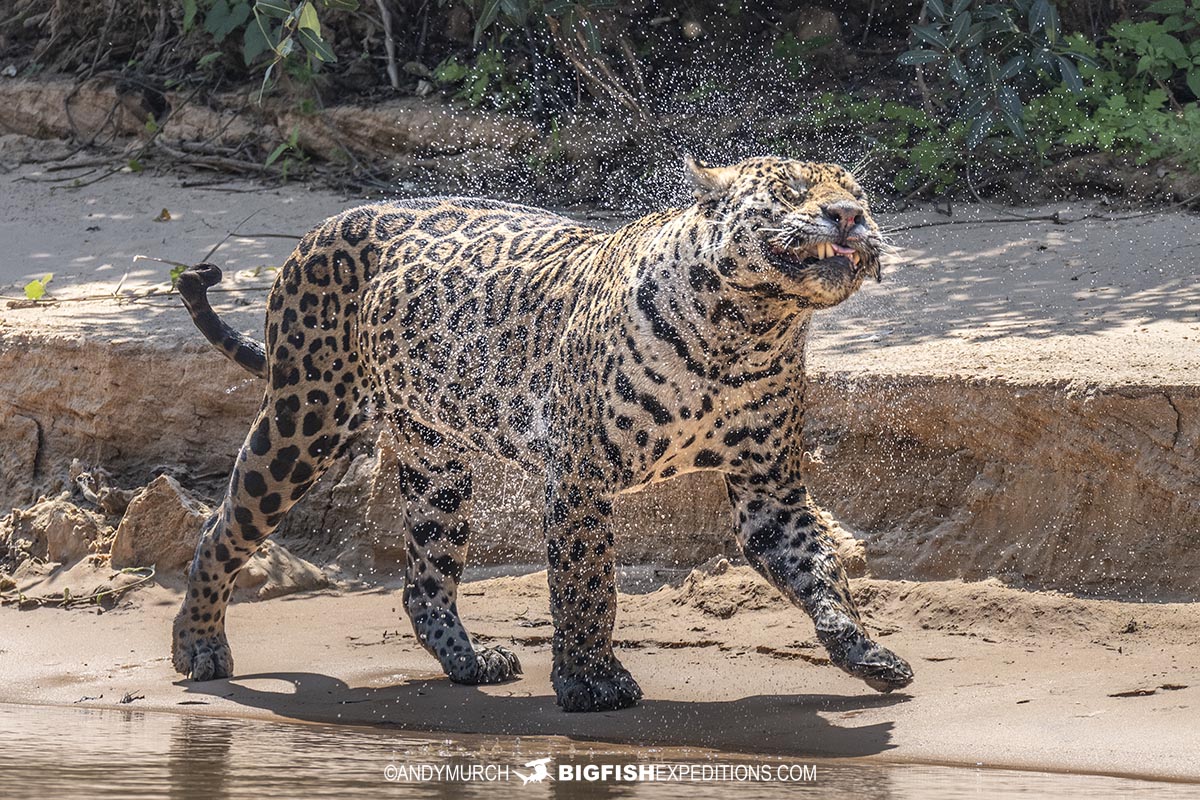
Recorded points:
785,541
284,454
436,485
587,676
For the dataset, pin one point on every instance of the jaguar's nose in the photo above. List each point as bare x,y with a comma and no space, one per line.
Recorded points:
846,213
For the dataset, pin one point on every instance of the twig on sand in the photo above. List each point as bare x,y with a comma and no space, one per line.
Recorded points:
65,598
230,234
150,293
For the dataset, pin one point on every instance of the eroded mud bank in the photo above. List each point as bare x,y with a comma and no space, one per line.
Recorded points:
1043,486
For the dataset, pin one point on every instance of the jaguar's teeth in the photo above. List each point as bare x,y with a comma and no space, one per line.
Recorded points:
853,258
824,250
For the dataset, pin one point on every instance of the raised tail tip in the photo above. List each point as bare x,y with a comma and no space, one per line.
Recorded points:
197,279
193,285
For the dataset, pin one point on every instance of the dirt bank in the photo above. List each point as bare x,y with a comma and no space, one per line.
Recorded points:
1064,684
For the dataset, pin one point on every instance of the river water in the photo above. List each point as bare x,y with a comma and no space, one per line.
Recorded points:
52,752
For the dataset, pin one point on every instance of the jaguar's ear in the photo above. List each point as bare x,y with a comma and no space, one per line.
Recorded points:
708,181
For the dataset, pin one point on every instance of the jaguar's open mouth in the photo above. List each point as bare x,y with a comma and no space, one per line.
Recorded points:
796,257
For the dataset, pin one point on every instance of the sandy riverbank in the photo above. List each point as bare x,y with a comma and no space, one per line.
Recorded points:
1004,678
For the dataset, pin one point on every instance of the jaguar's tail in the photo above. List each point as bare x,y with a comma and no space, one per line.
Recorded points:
193,287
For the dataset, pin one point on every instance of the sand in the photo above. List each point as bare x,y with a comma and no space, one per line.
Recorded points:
1004,678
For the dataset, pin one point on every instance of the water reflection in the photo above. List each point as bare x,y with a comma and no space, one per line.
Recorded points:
80,753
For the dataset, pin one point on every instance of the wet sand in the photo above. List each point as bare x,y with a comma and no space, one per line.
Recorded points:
1004,678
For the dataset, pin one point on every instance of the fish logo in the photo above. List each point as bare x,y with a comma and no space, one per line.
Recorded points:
539,774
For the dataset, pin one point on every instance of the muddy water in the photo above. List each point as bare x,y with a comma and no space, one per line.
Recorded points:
84,753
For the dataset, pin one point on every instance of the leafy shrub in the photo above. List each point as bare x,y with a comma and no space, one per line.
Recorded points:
1158,50
991,57
283,31
487,81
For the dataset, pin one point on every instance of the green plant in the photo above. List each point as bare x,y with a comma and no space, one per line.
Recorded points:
993,57
291,151
36,288
1159,49
486,81
919,151
283,31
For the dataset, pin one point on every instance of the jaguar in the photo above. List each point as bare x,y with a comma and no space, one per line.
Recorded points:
601,361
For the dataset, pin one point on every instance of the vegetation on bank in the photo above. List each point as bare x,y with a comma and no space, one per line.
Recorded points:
943,97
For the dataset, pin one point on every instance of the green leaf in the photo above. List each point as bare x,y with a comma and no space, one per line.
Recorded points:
223,19
208,58
930,35
342,5
276,9
936,7
255,41
214,20
1011,111
1011,67
1039,15
915,58
36,288
189,15
958,31
134,165
450,71
487,15
308,19
980,128
1070,74
975,107
1167,7
1171,47
316,46
266,81
279,150
1193,82
973,38
958,73
959,7
515,10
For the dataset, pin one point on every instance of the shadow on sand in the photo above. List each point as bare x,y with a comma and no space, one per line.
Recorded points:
775,724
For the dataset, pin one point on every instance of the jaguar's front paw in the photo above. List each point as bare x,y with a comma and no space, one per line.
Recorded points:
881,669
199,655
852,651
486,665
600,690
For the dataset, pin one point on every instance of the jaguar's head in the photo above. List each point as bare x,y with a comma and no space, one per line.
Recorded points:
794,230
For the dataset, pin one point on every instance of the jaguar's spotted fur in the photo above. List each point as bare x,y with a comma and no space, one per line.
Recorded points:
602,361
